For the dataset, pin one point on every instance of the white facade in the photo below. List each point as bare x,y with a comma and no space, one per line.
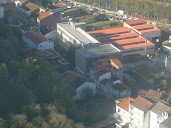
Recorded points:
1,12
80,90
45,45
71,35
168,64
51,35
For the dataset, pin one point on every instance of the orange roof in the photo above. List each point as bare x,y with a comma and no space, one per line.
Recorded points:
138,45
136,22
141,103
124,104
149,30
131,41
36,37
153,94
43,15
144,26
125,35
110,31
60,4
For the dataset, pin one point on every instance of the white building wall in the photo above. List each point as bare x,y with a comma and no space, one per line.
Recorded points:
107,75
1,12
153,120
46,45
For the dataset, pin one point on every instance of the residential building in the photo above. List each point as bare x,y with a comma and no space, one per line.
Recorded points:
58,7
29,8
153,95
168,63
158,113
48,19
147,30
37,40
139,110
51,35
122,114
86,57
125,39
72,35
1,12
81,90
166,123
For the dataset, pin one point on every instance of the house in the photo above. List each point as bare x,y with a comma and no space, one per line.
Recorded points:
139,112
51,35
122,114
101,75
80,91
158,113
37,40
1,12
166,123
112,65
120,90
58,7
153,95
48,19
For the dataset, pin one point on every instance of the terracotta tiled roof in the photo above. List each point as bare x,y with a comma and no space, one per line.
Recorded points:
124,103
60,4
153,94
31,6
141,103
36,37
135,22
43,15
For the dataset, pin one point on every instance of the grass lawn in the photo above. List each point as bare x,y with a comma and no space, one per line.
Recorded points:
102,25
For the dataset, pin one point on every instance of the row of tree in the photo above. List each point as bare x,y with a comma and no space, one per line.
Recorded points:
142,8
29,86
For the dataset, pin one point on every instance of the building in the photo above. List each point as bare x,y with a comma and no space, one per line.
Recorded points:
72,35
72,12
147,30
29,8
81,90
37,40
51,35
86,57
58,7
158,113
48,19
168,64
1,12
139,113
122,114
153,95
166,123
125,39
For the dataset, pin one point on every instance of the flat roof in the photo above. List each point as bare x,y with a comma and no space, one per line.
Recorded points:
97,51
78,33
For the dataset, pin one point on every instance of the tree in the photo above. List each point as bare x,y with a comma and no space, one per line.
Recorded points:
163,83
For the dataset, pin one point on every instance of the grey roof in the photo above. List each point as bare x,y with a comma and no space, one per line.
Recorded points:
166,123
159,108
79,34
98,51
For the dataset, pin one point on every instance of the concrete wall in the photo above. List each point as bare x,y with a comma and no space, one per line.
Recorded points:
107,75
80,62
1,12
168,64
51,35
